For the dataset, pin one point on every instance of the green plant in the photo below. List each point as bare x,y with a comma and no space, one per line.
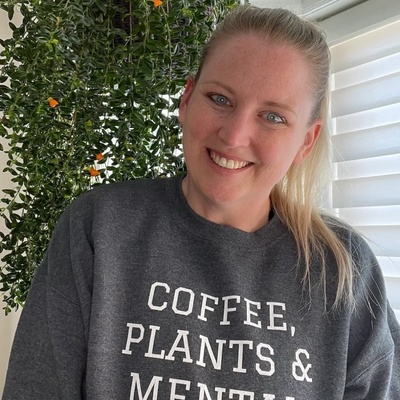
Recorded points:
93,91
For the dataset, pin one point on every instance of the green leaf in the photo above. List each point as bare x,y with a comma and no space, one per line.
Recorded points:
10,192
10,11
101,6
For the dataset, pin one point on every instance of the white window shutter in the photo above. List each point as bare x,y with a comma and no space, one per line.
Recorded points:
366,136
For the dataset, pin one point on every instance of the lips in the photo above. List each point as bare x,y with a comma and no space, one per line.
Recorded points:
227,163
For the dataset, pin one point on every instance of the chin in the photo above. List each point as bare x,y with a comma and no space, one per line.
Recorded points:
222,194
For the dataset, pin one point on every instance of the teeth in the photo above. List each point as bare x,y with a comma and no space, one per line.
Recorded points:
229,164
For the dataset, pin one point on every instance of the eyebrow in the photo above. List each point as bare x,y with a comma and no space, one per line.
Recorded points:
280,105
267,102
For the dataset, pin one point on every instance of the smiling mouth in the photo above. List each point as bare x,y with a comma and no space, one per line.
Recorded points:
228,164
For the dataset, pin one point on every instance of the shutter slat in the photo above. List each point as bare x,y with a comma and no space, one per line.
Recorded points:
367,167
368,119
367,95
364,192
368,143
365,216
392,289
365,48
383,240
366,72
390,266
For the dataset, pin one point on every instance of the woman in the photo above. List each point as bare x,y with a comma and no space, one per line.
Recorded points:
226,283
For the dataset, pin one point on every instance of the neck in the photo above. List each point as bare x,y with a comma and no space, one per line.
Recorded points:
239,214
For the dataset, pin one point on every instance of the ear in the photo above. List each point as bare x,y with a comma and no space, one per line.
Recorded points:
185,99
309,142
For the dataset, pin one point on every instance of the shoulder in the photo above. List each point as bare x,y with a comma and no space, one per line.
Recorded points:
120,206
354,241
136,188
367,278
134,194
372,324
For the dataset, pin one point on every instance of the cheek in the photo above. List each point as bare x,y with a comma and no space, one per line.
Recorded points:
190,137
198,131
191,142
186,143
277,155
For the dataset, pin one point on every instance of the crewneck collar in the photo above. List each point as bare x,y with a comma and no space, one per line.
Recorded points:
202,227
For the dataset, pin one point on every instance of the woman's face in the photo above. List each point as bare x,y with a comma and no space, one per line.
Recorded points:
246,121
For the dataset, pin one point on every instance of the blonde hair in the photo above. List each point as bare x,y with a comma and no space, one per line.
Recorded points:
296,196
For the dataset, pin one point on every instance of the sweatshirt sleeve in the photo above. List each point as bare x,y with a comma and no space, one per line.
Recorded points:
48,357
374,358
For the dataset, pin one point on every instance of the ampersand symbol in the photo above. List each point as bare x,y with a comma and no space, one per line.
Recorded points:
298,366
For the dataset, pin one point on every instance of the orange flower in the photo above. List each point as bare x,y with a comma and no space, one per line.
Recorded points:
157,3
94,172
99,156
53,102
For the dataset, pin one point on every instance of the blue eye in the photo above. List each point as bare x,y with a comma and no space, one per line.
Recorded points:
220,99
274,118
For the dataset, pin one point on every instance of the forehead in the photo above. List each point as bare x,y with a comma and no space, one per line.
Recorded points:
252,62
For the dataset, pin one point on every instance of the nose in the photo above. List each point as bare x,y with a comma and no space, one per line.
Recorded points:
236,130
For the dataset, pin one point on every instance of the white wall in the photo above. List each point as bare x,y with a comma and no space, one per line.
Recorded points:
9,323
7,330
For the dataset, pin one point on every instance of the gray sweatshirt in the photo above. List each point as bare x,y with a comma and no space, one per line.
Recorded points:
139,298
